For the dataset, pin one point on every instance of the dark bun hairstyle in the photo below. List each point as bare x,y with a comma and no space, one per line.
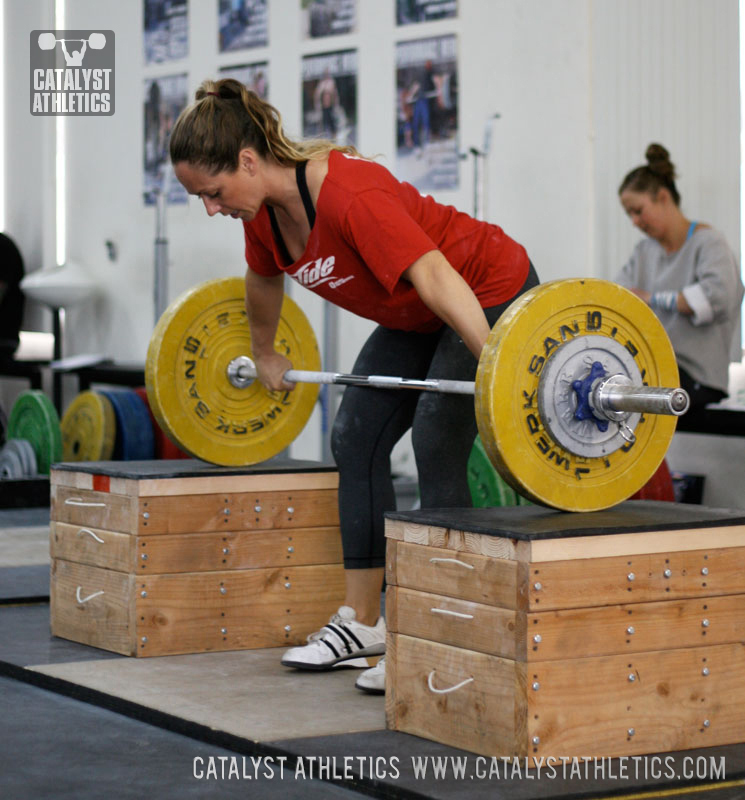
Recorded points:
657,173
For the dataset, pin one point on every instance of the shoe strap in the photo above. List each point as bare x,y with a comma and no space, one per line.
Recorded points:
339,631
336,619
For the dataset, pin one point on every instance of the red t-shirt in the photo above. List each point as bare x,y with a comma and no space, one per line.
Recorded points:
369,229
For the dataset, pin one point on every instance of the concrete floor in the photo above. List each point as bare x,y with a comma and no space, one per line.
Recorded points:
61,748
88,724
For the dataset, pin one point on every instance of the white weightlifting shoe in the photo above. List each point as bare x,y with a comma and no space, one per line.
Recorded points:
372,680
343,642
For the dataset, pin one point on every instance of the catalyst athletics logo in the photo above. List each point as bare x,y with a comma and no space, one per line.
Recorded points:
72,73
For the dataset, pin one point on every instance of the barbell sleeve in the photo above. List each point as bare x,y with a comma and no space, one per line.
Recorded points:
616,397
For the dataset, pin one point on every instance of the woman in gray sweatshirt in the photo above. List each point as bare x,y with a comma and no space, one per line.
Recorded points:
687,273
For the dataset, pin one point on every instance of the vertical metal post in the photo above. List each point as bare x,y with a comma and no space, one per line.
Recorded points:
329,392
58,328
160,267
476,182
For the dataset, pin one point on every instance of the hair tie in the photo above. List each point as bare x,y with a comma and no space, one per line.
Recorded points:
214,94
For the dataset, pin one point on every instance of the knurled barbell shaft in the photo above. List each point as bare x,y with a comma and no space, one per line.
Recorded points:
242,372
381,381
633,399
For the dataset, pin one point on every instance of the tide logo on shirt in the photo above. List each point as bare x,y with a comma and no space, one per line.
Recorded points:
314,273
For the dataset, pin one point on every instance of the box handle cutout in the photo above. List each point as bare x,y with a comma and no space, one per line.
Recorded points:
451,613
82,600
446,691
451,561
78,501
88,530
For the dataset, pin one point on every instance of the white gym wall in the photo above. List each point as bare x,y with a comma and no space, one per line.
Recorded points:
582,86
665,71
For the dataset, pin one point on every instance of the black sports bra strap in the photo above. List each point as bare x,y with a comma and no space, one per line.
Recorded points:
286,257
302,185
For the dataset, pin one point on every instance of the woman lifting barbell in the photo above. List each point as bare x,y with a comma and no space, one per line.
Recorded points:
434,279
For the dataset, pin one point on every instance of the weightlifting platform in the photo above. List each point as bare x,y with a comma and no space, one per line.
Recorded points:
88,722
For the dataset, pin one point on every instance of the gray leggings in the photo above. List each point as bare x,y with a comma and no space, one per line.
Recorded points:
371,421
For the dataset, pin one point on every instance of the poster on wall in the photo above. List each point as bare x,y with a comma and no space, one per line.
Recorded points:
165,97
427,113
254,76
330,96
165,30
328,17
243,24
411,11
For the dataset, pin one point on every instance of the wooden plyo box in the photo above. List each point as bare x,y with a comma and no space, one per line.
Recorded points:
163,557
533,633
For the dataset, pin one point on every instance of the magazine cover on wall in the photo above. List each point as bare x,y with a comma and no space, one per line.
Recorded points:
243,24
164,99
427,113
410,11
254,76
328,17
165,30
330,96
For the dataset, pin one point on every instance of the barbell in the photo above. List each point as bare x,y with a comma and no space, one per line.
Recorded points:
48,41
575,393
608,398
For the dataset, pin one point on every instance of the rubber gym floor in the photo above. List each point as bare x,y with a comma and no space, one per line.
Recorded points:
83,723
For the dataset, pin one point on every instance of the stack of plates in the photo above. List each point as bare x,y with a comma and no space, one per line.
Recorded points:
34,419
17,459
112,424
88,428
